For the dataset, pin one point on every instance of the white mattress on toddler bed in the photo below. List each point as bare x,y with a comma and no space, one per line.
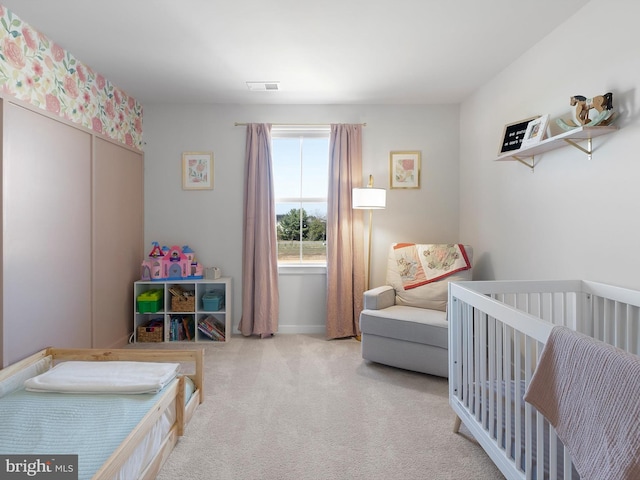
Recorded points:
88,425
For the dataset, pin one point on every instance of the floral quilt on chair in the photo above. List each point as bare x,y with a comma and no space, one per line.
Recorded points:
419,264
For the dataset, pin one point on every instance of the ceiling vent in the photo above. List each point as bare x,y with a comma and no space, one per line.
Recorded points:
264,86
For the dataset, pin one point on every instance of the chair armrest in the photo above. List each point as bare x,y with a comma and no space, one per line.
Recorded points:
379,298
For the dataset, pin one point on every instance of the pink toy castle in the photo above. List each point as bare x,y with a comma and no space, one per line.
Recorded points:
173,263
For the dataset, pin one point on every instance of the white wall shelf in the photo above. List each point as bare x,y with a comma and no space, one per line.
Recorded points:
194,316
526,155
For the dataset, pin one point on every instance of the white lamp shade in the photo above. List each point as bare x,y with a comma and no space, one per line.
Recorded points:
369,198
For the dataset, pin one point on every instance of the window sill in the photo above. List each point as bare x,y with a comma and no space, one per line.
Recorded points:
302,269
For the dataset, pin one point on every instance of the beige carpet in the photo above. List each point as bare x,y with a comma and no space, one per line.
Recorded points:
300,407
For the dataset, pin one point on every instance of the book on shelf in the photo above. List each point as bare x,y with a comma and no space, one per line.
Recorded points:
181,328
204,328
219,324
217,333
208,327
175,329
212,334
185,324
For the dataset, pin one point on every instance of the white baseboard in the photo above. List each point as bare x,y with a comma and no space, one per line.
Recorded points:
302,329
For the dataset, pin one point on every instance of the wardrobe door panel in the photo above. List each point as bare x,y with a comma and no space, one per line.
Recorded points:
118,238
47,234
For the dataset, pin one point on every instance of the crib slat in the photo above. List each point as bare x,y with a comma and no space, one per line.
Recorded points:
517,353
469,360
540,457
483,400
499,376
463,388
633,338
508,404
553,452
567,463
492,386
528,426
476,367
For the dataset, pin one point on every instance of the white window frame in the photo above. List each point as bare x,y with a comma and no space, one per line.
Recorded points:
304,131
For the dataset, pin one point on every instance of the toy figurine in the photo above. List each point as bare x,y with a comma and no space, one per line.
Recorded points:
156,251
602,104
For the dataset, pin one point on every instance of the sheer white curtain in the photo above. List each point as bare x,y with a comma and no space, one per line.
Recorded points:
260,304
345,242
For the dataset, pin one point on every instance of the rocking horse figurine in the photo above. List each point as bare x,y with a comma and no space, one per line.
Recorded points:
582,105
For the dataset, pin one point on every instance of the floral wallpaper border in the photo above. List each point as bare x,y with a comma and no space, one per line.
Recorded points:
37,70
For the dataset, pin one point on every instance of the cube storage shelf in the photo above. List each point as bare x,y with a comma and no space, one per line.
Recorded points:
212,299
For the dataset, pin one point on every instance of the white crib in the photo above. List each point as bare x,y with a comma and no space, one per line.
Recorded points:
497,330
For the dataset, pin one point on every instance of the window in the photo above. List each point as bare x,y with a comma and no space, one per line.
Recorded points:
300,177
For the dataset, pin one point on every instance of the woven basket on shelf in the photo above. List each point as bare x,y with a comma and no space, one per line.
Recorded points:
150,334
183,304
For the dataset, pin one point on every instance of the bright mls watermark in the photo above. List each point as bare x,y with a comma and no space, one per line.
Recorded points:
49,467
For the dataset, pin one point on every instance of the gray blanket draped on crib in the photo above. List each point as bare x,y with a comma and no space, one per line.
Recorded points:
589,391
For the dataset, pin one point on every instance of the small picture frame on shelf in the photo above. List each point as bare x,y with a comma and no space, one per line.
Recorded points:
404,169
536,130
513,134
197,171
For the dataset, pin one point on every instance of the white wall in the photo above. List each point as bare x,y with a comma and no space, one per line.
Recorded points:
571,218
211,221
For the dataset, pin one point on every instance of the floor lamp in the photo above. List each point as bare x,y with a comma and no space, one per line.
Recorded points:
369,198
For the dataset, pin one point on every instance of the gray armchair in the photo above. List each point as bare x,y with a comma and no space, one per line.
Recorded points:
404,323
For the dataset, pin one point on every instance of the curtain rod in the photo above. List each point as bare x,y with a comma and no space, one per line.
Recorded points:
243,124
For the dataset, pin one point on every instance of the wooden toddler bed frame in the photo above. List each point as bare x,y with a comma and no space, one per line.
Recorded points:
172,396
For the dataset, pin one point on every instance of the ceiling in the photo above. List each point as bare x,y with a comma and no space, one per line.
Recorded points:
321,52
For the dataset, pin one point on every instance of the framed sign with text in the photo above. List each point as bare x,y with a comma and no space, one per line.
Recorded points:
513,135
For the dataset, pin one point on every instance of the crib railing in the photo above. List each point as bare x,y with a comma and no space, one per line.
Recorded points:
497,331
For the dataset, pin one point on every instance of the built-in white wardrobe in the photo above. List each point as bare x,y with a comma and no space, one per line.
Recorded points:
72,234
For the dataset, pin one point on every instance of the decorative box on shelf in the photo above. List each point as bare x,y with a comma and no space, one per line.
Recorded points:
183,304
150,301
182,300
152,331
213,301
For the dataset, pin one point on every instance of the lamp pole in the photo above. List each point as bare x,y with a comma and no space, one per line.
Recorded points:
369,243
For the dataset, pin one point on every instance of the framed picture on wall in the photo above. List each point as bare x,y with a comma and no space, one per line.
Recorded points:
536,131
404,170
197,171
